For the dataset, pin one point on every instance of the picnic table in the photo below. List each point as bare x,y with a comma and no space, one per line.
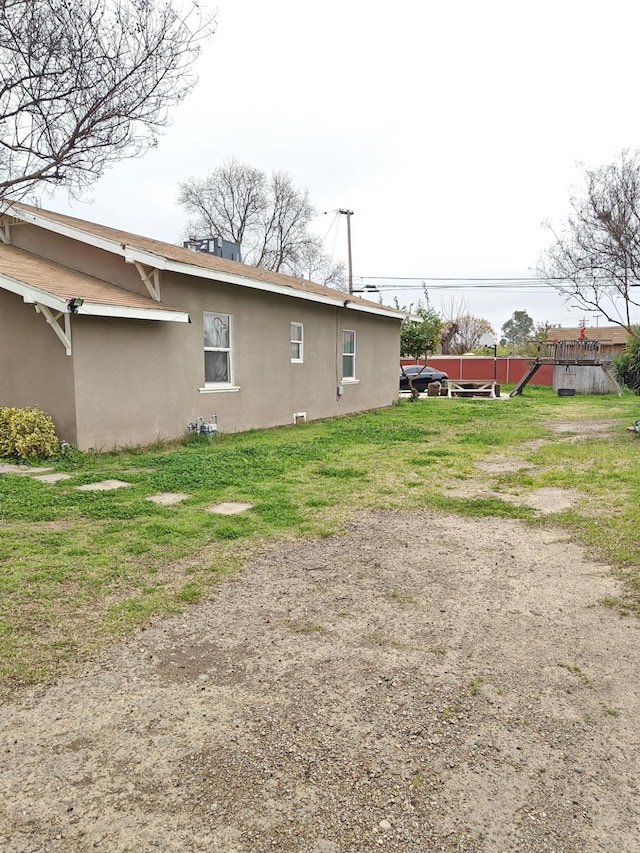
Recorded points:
471,388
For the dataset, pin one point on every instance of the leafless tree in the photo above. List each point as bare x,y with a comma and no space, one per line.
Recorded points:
316,265
448,334
468,333
452,309
285,225
266,214
594,260
84,83
229,203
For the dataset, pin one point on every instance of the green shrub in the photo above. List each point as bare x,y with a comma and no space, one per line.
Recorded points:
627,365
27,433
5,419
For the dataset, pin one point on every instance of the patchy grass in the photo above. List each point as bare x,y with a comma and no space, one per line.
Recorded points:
574,669
78,569
475,684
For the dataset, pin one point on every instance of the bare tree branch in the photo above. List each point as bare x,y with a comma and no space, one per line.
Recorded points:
84,83
467,334
462,331
268,216
594,260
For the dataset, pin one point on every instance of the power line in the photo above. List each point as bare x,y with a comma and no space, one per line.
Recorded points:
505,284
489,281
504,287
462,278
471,286
333,222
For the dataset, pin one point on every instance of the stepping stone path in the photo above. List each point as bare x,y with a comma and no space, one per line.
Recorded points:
6,468
162,498
52,478
229,507
102,486
168,498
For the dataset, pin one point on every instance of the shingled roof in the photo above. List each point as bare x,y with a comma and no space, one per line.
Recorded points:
161,255
605,334
39,279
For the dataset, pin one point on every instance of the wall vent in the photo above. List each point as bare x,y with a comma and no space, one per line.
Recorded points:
299,417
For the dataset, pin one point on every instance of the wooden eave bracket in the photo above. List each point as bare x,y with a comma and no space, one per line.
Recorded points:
5,229
151,279
64,334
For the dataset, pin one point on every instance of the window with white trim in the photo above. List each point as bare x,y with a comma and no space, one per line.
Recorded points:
297,342
217,348
348,354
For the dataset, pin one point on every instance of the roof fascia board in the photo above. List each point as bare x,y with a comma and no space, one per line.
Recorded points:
381,311
132,254
129,253
33,296
66,230
95,309
340,301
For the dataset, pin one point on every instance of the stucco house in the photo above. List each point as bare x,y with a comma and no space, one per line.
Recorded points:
125,340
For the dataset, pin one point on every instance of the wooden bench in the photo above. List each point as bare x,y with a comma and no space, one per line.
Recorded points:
471,388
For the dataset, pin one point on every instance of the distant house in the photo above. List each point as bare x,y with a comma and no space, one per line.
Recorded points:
574,347
612,339
124,340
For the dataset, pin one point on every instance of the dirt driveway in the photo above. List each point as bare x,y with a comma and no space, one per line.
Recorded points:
424,683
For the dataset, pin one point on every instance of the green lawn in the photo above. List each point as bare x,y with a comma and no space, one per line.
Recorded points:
78,569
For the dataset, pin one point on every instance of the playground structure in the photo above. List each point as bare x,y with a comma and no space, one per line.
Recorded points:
580,354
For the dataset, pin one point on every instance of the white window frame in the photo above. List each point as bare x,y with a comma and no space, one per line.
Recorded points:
352,355
297,342
228,383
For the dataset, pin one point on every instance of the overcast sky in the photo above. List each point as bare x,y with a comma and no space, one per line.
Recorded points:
451,129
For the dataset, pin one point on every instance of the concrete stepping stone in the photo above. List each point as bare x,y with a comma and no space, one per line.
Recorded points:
168,498
8,468
229,507
52,478
102,486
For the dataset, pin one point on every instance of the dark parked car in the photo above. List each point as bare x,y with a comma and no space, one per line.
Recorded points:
421,377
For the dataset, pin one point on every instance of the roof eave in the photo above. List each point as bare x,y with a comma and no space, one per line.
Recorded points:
131,254
34,295
65,229
97,309
341,300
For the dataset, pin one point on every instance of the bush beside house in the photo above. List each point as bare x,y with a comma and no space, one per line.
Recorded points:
27,434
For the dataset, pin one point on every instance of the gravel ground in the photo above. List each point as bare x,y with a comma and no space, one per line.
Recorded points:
423,683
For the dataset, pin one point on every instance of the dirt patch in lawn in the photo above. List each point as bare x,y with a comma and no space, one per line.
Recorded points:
585,429
545,500
504,465
423,683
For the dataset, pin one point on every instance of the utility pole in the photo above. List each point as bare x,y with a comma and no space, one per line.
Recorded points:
348,214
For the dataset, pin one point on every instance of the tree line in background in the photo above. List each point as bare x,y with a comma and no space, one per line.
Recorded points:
457,332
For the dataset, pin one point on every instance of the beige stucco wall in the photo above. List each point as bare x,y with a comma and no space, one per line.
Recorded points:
139,381
34,369
132,382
